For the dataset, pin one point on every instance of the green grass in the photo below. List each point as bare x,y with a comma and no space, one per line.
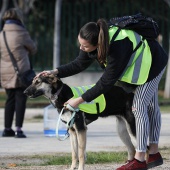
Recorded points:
165,109
57,160
105,157
65,158
92,158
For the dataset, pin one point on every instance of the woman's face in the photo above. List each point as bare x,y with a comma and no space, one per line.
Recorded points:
85,45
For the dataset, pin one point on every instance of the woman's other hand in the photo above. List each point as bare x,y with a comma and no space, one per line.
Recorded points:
74,102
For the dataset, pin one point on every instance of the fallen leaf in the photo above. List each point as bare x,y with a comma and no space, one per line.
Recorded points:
12,165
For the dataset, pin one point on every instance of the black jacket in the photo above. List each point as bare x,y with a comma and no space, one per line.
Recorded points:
119,55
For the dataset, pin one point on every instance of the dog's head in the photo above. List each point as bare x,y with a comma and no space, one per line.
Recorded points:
43,85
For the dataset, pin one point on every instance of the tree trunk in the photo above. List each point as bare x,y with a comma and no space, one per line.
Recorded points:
56,46
167,81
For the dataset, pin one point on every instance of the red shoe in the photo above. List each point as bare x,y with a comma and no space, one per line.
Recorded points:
134,165
154,160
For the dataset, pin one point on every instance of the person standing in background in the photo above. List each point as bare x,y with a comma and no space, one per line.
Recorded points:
20,44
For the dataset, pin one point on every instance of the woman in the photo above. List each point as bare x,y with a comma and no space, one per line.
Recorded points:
20,45
114,57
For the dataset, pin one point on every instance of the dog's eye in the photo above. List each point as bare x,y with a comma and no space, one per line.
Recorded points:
37,82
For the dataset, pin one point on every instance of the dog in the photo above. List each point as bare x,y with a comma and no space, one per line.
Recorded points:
118,104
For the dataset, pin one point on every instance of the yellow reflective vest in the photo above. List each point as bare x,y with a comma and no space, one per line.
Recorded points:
137,69
95,106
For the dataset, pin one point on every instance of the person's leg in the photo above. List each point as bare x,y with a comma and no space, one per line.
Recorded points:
155,158
20,106
9,113
155,124
139,109
9,108
143,96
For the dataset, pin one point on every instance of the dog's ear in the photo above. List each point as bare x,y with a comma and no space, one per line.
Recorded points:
55,79
51,78
56,82
36,79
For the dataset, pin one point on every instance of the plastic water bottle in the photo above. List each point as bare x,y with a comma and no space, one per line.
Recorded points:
50,122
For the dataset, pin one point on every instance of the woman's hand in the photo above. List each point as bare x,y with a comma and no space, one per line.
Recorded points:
74,102
47,72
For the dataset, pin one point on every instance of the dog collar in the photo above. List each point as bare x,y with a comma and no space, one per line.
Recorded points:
54,97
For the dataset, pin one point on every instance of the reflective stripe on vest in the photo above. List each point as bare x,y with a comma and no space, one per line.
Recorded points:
137,69
89,107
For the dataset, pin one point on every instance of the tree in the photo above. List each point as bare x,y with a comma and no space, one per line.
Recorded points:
56,47
24,5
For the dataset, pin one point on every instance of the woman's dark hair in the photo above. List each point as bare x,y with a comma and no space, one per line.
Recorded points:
97,34
13,13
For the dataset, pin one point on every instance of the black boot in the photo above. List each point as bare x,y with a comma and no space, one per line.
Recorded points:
20,134
8,133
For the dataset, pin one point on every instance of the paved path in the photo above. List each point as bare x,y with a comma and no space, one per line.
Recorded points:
101,136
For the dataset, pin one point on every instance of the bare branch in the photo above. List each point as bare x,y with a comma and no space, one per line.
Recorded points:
25,5
15,4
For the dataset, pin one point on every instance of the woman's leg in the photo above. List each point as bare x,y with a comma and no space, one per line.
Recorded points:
148,122
142,98
139,110
155,124
20,106
9,108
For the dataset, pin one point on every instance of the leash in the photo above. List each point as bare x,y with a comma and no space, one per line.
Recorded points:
57,128
69,123
72,119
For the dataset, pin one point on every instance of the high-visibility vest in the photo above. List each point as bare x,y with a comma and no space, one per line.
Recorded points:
138,67
95,106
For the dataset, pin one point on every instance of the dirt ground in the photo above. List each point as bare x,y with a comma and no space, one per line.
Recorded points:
166,166
16,162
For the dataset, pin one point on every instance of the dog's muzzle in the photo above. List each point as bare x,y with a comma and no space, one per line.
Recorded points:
33,93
